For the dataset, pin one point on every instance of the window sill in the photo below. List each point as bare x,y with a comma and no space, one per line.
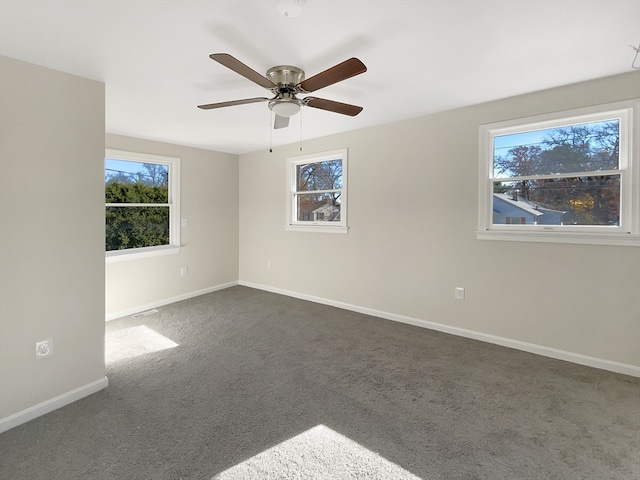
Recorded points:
584,238
317,228
137,253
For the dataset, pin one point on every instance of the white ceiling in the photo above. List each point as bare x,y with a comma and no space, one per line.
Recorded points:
422,57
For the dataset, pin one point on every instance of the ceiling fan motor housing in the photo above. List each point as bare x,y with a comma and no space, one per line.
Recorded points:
285,75
286,78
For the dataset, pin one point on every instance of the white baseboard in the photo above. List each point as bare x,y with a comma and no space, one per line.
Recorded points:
52,404
142,308
462,332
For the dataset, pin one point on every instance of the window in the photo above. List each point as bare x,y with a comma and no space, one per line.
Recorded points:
317,192
567,177
141,204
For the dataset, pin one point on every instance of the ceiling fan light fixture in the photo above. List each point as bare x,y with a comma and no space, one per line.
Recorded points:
285,108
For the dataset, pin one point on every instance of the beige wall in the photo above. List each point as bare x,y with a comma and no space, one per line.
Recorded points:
209,202
51,233
413,214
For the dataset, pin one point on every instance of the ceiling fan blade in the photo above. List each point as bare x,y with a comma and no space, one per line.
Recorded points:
239,67
335,74
280,122
332,106
209,106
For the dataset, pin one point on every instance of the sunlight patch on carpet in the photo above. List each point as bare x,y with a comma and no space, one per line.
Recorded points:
320,453
133,342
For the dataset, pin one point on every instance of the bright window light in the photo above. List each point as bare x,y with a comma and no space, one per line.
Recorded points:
133,342
317,454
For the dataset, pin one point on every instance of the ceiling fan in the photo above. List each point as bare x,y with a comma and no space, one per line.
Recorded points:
285,82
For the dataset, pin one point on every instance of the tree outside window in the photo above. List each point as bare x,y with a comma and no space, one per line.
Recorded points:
563,177
316,200
583,160
141,194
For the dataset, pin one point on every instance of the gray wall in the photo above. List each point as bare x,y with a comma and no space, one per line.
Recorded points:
209,202
413,196
51,233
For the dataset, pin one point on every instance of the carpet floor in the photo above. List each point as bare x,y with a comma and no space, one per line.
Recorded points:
246,384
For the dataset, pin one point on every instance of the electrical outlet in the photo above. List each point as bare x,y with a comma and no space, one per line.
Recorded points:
268,264
459,293
44,348
184,271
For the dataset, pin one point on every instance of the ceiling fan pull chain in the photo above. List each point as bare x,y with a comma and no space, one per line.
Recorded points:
301,129
271,120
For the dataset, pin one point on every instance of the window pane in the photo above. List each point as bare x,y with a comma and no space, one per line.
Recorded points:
587,147
135,182
561,201
135,227
325,175
323,207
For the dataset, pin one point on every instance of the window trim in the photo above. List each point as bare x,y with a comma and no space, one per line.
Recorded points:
174,164
317,227
627,234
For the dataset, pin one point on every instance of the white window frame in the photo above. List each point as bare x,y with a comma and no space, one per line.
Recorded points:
174,207
292,223
626,234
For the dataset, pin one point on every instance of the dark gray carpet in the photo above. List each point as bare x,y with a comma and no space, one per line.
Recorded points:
255,372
